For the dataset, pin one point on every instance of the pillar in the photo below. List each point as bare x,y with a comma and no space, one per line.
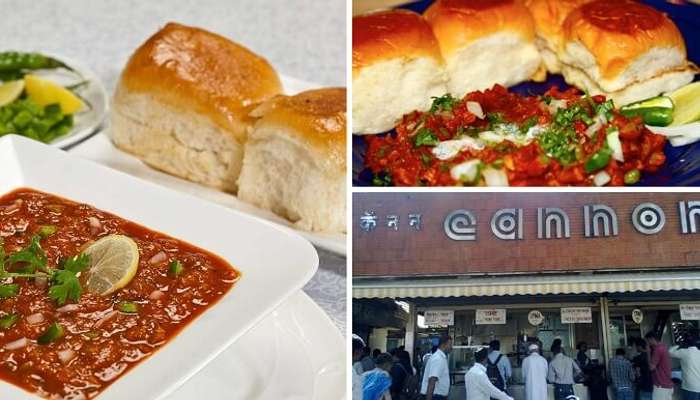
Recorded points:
377,339
410,339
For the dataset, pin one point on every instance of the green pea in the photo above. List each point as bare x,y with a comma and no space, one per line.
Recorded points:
632,177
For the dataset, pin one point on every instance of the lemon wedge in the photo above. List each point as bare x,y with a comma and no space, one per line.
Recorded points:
10,91
687,102
44,92
114,260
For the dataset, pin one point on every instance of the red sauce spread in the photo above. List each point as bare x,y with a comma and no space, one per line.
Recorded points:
627,16
561,138
100,341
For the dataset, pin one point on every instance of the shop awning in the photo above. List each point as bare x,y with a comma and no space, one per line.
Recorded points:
526,285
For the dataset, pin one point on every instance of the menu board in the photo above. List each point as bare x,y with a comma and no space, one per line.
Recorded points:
690,312
491,316
576,315
439,318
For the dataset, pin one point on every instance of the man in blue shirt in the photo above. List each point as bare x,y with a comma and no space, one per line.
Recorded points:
501,361
622,376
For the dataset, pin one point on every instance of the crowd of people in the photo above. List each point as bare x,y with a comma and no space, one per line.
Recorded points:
646,376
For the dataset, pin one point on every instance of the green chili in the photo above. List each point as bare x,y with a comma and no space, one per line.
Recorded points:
598,160
17,61
52,334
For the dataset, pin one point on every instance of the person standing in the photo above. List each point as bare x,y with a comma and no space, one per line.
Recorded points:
376,383
501,364
562,372
478,384
645,385
535,374
581,357
621,376
367,360
690,365
660,367
436,379
400,372
358,348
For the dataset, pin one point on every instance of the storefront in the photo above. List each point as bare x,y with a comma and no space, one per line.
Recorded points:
596,268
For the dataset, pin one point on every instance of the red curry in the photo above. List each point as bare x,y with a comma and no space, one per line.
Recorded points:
497,137
99,342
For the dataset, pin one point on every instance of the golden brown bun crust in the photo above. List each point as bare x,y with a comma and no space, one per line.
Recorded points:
550,14
201,71
617,32
318,116
457,23
391,34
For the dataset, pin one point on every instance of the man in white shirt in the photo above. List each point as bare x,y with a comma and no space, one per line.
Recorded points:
502,363
690,365
436,379
477,383
535,374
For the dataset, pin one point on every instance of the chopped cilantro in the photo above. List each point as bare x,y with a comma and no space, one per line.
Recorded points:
426,159
65,281
425,137
495,118
32,256
442,103
559,143
529,123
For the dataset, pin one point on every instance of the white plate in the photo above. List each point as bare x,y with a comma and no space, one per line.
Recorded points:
274,261
295,353
100,149
85,122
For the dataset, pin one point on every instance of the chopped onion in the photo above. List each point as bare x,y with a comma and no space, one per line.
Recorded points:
41,281
95,225
450,148
68,308
14,206
495,177
158,258
17,344
36,318
467,171
555,104
475,108
105,319
601,178
66,356
156,294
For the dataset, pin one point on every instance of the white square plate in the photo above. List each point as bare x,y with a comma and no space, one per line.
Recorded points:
274,261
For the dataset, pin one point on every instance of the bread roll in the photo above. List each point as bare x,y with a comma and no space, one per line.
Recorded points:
294,162
549,16
183,101
396,69
623,49
484,42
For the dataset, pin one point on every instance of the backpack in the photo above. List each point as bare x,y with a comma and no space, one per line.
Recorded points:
410,390
494,374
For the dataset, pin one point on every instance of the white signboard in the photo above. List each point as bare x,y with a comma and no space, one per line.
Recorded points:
439,318
576,315
494,316
690,312
535,317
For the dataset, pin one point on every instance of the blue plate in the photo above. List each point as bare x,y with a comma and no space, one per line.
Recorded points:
682,166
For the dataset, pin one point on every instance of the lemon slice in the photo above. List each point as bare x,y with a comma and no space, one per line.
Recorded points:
114,260
687,101
10,91
44,92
